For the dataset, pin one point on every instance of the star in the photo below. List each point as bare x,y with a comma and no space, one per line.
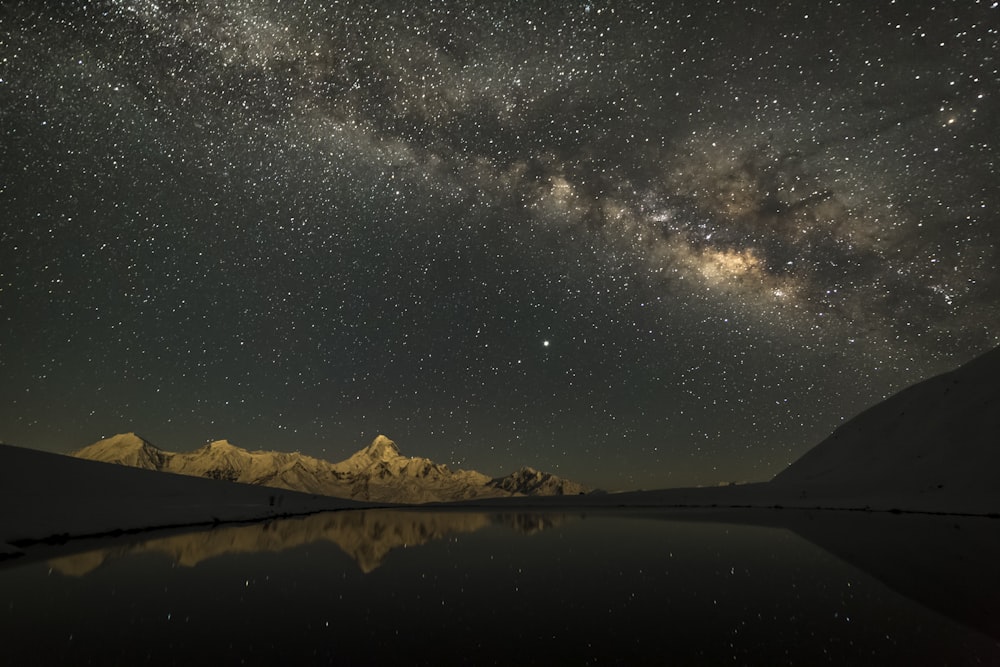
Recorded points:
288,224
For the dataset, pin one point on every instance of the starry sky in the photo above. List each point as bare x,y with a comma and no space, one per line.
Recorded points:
636,244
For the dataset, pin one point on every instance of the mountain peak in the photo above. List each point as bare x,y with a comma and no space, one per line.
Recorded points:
125,448
130,440
221,444
529,481
382,449
378,472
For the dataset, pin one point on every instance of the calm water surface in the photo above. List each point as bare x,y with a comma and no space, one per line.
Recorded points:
392,587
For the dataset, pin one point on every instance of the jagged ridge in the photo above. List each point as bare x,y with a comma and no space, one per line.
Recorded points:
530,482
378,472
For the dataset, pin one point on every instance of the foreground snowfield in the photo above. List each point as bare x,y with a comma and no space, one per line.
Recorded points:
934,445
44,495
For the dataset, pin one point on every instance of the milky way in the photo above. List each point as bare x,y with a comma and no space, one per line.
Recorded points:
636,245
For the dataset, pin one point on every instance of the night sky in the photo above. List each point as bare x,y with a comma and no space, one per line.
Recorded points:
638,245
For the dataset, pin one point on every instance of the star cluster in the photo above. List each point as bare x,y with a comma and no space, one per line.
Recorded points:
634,244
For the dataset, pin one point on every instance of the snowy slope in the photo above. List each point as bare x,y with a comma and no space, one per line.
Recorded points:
128,449
379,472
937,442
530,482
44,494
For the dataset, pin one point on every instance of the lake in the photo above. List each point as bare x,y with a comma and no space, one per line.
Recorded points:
466,588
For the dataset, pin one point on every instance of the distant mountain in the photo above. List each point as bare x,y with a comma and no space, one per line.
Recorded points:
937,440
376,473
530,482
126,449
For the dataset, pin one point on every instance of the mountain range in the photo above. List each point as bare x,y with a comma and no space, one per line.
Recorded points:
379,472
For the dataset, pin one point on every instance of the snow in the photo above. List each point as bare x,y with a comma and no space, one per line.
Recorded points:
377,472
44,495
382,449
933,446
223,460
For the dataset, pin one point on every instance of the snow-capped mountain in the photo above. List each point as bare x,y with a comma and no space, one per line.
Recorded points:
530,482
379,472
127,449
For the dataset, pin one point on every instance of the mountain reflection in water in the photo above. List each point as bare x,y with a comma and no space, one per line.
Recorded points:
944,564
587,587
367,537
